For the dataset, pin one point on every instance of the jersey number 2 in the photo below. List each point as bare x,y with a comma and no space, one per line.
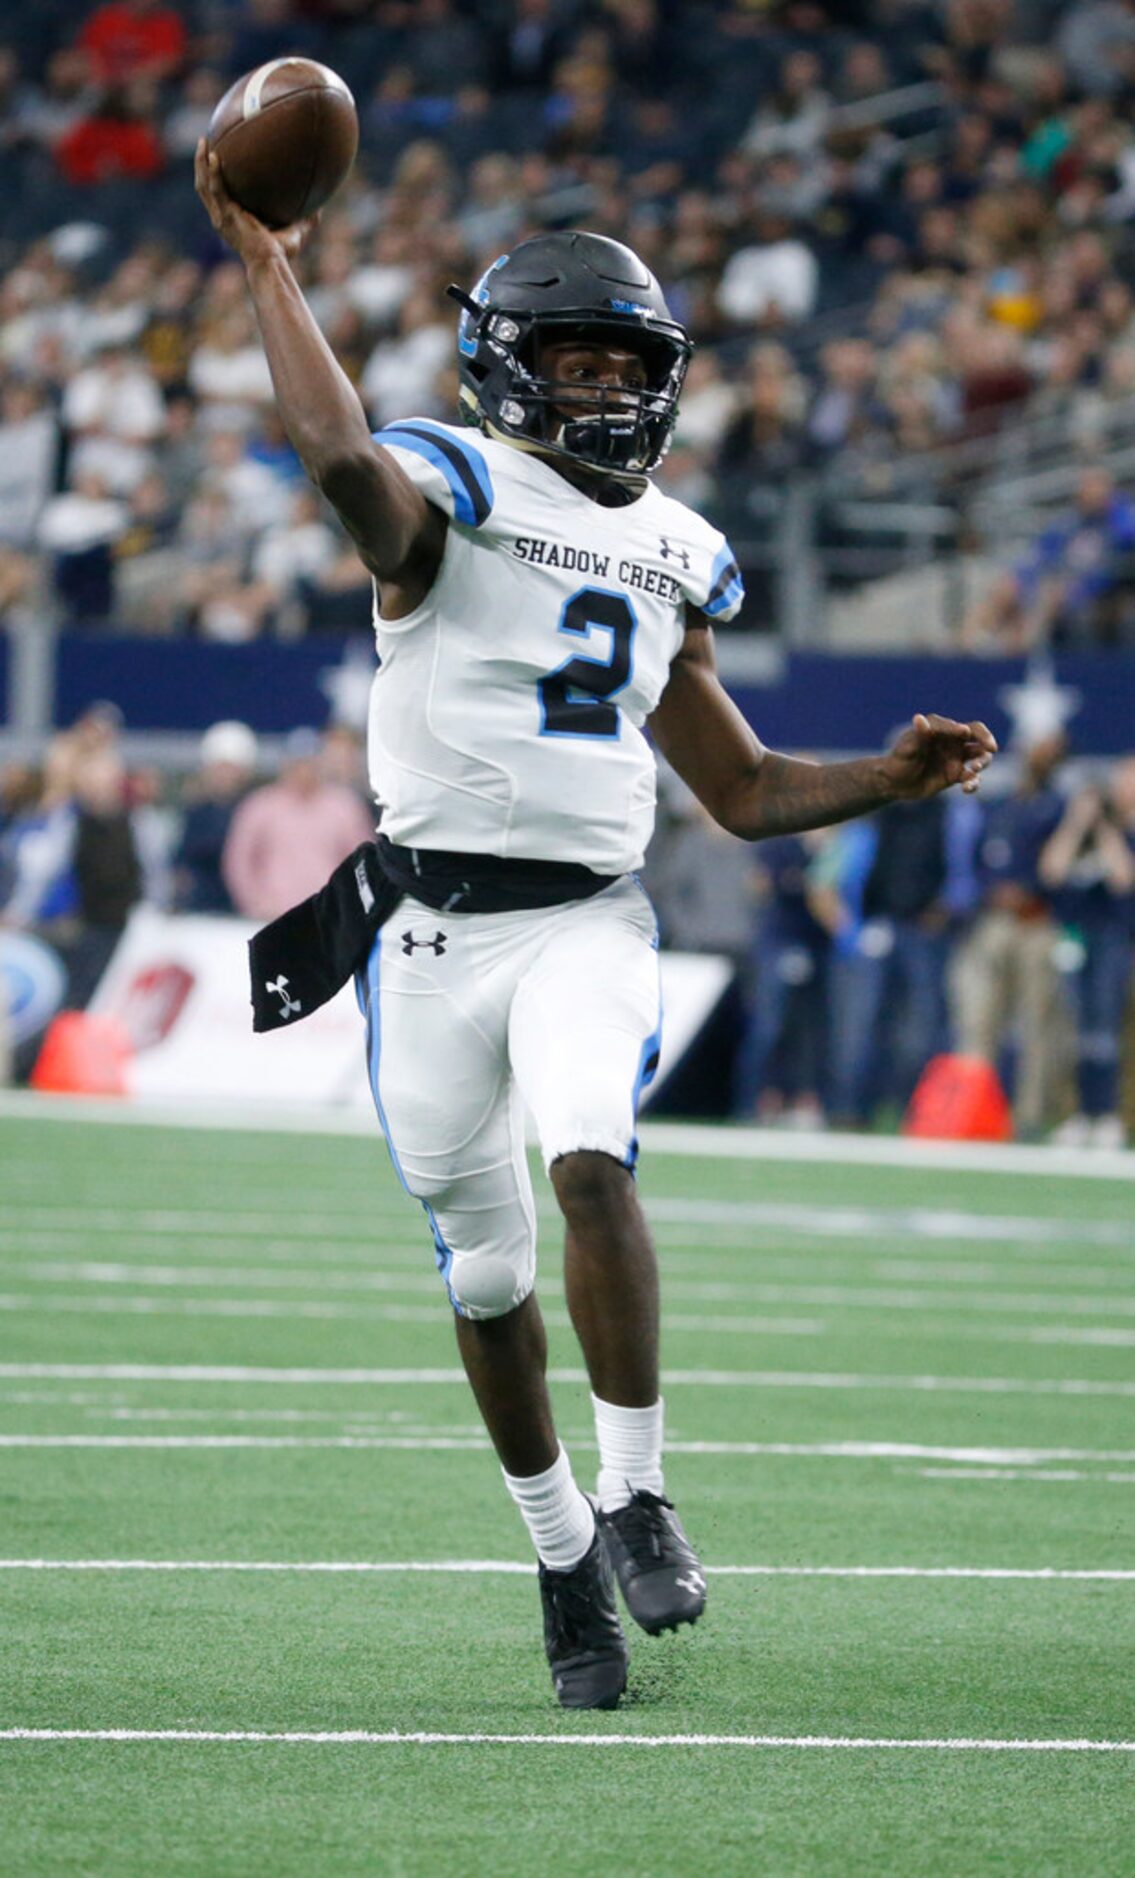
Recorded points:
575,698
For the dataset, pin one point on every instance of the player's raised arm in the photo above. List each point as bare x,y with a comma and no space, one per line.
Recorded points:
754,792
398,534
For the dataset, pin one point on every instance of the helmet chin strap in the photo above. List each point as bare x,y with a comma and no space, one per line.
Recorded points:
556,454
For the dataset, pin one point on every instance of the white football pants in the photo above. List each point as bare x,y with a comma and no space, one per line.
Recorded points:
471,1017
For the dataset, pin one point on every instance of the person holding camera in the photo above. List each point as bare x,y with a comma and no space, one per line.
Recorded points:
1088,863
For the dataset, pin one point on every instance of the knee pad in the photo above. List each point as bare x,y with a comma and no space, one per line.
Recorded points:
489,1283
485,1238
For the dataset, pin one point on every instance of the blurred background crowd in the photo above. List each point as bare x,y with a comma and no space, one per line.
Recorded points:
1002,929
902,234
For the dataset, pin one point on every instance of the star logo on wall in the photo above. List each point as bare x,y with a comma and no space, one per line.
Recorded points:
346,686
1039,706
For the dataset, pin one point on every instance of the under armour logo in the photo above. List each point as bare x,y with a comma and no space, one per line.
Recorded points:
669,552
287,1004
363,884
436,944
693,1582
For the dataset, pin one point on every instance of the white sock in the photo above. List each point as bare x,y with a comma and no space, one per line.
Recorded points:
630,1451
559,1516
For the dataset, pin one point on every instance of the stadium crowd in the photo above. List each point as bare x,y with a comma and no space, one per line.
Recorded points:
1004,929
895,228
898,230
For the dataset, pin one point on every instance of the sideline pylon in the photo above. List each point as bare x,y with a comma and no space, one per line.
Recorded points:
83,1054
959,1098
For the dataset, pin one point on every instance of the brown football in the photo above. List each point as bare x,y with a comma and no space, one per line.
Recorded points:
286,135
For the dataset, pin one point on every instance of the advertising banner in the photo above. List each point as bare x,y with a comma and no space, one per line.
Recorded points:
179,985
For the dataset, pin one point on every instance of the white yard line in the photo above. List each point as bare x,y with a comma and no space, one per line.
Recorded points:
1104,1336
1042,1476
856,1297
413,1444
872,1222
946,1225
726,1143
361,1737
425,1440
672,1378
51,1304
481,1567
33,1303
223,1277
39,1303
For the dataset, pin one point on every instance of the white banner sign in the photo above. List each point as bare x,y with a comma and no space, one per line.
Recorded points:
179,984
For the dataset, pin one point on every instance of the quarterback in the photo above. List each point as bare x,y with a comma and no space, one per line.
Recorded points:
540,604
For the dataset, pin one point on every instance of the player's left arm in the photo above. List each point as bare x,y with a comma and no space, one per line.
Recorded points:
754,792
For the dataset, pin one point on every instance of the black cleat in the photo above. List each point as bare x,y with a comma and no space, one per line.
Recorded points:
656,1566
583,1637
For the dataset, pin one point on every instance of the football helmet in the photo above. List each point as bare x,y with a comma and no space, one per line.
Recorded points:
571,286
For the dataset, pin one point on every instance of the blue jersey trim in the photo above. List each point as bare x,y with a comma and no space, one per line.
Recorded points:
367,990
648,1059
726,588
460,462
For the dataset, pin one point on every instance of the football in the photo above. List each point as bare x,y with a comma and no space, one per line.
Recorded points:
286,136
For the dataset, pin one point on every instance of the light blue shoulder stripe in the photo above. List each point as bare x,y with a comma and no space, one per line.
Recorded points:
726,587
460,461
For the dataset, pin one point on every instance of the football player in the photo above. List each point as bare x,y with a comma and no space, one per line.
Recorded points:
538,604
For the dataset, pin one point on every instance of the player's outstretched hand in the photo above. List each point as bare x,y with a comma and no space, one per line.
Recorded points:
935,752
252,240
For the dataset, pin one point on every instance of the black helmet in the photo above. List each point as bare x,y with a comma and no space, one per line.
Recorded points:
564,286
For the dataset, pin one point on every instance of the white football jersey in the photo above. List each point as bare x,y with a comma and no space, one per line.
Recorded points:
507,711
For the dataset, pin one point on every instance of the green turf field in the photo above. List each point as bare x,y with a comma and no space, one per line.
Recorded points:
897,1398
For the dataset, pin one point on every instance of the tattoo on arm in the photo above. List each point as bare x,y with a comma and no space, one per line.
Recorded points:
789,795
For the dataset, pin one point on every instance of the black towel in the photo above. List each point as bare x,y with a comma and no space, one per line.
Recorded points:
302,959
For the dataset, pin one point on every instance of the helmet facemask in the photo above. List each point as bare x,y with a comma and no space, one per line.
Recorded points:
622,431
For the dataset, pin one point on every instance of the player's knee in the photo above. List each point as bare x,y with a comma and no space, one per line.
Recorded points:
591,1187
490,1284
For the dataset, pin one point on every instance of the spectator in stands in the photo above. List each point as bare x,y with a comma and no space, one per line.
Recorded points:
120,309
1074,586
773,279
209,596
795,115
781,1067
63,97
1005,983
976,245
227,761
531,43
764,442
37,882
200,89
295,556
846,409
106,866
288,836
166,340
1088,864
29,446
125,39
79,529
444,50
889,975
114,414
147,564
344,761
228,365
117,142
401,373
1097,42
258,490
